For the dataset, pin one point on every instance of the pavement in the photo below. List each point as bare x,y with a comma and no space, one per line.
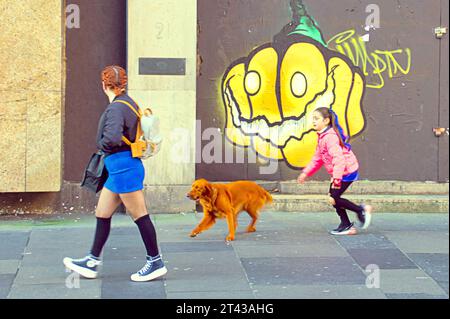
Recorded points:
291,256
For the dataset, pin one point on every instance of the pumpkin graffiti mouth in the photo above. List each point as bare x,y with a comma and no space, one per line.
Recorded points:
277,135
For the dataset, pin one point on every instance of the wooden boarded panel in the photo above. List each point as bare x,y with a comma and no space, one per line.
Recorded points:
31,52
43,170
400,102
13,125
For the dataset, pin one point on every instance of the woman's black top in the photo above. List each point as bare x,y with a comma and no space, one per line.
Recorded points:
117,120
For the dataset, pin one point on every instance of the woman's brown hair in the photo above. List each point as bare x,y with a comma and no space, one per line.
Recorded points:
115,78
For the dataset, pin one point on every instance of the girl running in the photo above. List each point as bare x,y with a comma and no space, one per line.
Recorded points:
334,152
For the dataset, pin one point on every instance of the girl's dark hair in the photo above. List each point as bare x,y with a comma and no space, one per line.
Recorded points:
328,113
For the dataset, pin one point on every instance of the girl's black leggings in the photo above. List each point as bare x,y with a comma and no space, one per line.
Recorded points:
341,204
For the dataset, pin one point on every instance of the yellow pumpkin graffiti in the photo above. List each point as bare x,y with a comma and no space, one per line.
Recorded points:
269,97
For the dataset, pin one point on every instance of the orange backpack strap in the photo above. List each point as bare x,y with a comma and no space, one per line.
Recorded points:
139,115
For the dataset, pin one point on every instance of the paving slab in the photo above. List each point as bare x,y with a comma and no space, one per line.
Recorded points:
51,257
123,253
365,241
123,288
195,246
13,244
60,239
181,234
286,236
8,267
408,281
410,222
435,265
303,271
383,258
415,296
179,219
37,274
316,292
188,272
298,250
82,289
228,294
6,281
420,241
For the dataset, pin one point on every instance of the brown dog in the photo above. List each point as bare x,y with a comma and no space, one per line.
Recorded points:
227,201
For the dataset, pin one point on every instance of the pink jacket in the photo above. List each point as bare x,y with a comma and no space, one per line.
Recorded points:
337,160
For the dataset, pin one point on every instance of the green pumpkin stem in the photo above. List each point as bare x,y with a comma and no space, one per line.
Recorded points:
304,24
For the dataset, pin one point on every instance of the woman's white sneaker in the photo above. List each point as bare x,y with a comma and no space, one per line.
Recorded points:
86,267
153,268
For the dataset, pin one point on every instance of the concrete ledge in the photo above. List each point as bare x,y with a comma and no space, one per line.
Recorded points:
387,196
381,203
368,187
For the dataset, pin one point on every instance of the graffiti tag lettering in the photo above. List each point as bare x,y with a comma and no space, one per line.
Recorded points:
378,63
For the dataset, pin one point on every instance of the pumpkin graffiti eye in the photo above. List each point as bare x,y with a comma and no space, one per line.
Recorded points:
252,82
298,84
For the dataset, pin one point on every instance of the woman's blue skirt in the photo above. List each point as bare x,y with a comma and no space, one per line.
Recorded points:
125,173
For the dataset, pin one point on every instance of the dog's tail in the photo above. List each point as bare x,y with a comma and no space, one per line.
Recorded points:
268,197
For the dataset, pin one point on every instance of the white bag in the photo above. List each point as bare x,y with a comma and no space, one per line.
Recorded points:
150,128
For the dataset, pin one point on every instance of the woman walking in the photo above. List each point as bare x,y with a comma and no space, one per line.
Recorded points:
124,183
